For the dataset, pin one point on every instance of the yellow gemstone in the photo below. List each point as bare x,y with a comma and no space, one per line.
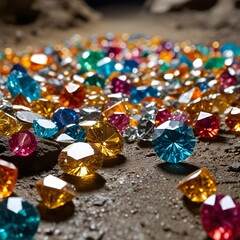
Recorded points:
106,138
87,124
233,120
198,186
44,107
55,192
80,159
8,178
221,102
8,124
95,96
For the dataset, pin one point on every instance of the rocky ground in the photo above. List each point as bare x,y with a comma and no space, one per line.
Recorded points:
134,196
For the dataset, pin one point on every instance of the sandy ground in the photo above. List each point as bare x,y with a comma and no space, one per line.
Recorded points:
135,196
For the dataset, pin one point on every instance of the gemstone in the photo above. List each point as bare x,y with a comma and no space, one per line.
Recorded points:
80,159
198,186
207,125
64,138
38,61
55,192
23,143
95,96
20,100
227,80
233,120
180,116
27,117
149,111
87,124
162,116
8,124
215,62
18,219
44,128
18,67
65,116
8,178
190,95
89,113
106,138
44,107
173,141
72,95
119,85
76,132
130,134
145,129
220,217
94,80
19,82
130,65
119,120
139,93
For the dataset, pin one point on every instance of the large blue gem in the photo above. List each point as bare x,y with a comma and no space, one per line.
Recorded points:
173,141
44,128
18,219
19,82
65,116
18,67
76,132
139,93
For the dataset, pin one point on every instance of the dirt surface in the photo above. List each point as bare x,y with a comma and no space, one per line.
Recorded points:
135,195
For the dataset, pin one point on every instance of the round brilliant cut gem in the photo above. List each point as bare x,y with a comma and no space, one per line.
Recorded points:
119,121
220,217
23,143
18,219
44,128
80,159
173,141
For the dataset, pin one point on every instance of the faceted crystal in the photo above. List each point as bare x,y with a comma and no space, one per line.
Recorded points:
190,95
233,120
44,128
122,86
220,217
162,116
80,159
8,178
55,192
173,141
94,80
198,186
72,95
145,129
214,63
106,66
106,138
27,117
130,134
18,219
139,93
20,100
207,125
119,121
65,116
19,82
180,116
76,132
89,113
23,143
64,138
227,80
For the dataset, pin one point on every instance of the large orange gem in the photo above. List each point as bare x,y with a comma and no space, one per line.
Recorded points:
233,120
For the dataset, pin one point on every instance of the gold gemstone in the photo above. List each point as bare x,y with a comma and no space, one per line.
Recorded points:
95,96
233,120
44,107
106,138
55,192
198,186
8,178
87,124
8,124
80,159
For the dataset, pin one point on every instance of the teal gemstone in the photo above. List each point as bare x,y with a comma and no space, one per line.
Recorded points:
139,93
173,141
215,62
76,132
19,220
44,128
94,80
19,82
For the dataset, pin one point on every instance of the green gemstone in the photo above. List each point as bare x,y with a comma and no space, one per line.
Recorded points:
95,80
214,63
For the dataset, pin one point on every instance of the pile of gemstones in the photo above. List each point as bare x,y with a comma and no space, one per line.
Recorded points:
92,95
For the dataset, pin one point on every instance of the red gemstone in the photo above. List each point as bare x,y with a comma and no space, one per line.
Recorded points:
227,80
162,116
23,143
122,86
119,121
220,217
207,125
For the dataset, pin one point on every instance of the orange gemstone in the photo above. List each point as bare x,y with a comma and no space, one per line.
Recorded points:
20,100
72,95
48,91
190,95
8,178
38,61
233,120
95,96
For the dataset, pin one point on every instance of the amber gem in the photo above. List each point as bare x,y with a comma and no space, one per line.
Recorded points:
233,120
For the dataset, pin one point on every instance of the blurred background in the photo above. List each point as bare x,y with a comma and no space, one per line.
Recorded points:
43,21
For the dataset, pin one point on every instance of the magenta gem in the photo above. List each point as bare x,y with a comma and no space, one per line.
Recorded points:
180,116
162,116
23,143
122,86
220,217
113,52
227,80
119,121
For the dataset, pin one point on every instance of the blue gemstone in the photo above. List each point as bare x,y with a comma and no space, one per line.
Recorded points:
18,219
129,65
19,82
173,141
65,116
76,132
139,93
44,128
18,67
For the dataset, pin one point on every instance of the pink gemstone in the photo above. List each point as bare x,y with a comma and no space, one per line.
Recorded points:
180,116
220,217
23,143
119,121
162,116
121,86
227,80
